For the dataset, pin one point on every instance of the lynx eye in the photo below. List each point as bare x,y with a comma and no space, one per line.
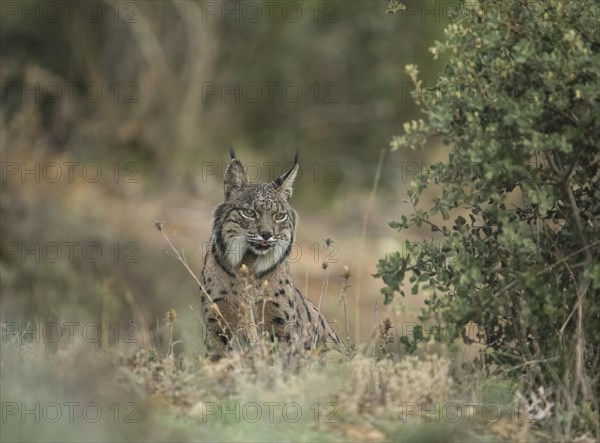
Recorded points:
248,213
280,216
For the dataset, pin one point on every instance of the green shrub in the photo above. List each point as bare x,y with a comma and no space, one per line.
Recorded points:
515,245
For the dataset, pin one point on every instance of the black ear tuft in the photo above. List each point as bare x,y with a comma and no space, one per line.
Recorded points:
284,183
296,157
235,176
232,152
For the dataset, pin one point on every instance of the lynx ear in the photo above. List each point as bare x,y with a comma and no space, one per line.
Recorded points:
283,184
235,176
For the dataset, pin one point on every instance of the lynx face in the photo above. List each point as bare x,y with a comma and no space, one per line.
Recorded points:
255,224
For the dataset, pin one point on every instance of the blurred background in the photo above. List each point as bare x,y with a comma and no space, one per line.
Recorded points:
118,114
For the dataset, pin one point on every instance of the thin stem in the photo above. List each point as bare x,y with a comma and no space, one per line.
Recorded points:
323,292
363,235
181,258
344,288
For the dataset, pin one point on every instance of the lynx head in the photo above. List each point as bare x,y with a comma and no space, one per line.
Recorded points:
255,224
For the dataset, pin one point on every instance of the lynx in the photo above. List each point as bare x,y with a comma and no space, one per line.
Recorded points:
247,289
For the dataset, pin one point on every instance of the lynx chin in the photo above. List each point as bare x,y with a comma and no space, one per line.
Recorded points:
248,293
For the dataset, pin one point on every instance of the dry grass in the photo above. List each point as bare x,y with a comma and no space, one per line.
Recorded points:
248,396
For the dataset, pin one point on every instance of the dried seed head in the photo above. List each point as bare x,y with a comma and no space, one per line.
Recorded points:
244,310
385,328
324,265
158,225
347,274
171,317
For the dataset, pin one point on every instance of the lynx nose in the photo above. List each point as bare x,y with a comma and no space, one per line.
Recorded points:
266,235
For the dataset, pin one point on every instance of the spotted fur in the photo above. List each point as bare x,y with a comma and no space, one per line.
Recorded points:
248,292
